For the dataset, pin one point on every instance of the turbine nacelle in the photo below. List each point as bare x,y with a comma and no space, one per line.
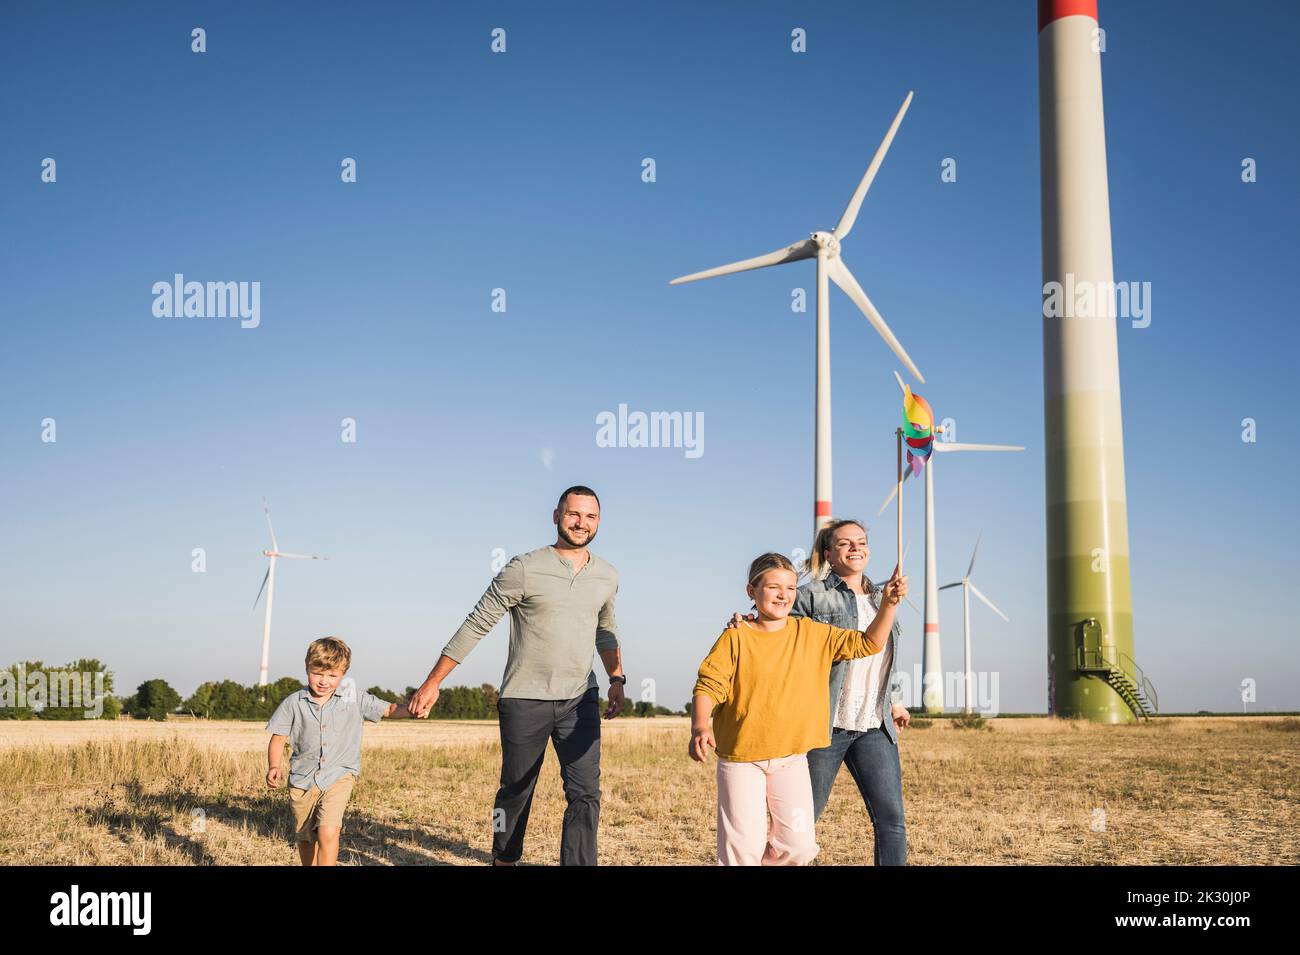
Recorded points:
826,242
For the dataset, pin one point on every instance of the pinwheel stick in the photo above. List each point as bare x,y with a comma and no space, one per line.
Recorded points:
898,434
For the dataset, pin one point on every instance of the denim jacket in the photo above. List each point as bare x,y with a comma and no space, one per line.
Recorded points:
831,601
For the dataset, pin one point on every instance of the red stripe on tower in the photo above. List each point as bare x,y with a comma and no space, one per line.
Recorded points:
1049,10
822,509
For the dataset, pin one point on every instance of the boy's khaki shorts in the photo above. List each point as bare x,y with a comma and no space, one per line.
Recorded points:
312,808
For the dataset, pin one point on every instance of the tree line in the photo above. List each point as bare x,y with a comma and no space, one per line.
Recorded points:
156,699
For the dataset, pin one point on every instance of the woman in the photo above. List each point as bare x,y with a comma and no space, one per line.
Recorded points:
864,721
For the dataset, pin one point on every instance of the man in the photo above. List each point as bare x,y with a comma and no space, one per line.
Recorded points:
561,604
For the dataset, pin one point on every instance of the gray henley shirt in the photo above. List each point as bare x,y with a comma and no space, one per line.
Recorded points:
558,618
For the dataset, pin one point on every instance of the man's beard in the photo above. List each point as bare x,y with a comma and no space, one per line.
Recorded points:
570,541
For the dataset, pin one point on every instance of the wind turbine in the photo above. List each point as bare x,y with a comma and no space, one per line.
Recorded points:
825,247
932,681
268,584
967,588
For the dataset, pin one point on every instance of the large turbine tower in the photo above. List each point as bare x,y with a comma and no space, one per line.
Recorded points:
825,247
1089,598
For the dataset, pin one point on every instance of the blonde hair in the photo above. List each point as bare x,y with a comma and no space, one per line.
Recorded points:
769,561
817,565
329,653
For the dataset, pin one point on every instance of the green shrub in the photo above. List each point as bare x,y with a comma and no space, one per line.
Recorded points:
970,721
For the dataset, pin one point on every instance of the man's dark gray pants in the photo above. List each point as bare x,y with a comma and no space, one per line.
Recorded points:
573,727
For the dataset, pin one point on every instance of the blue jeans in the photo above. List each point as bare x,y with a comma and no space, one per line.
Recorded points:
872,758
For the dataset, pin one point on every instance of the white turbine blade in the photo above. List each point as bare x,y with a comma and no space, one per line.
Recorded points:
851,211
959,446
973,553
266,507
841,276
265,577
893,491
906,548
901,387
806,249
976,591
301,557
949,586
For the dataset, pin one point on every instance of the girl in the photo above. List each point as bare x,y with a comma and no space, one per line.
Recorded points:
768,680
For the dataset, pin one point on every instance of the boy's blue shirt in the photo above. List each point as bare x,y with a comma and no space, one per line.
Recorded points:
326,740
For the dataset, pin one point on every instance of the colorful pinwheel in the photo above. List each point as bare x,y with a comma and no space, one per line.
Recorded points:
918,429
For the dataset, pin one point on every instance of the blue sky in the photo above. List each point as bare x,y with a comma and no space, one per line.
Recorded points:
522,171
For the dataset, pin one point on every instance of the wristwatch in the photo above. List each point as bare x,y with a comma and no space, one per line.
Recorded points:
618,679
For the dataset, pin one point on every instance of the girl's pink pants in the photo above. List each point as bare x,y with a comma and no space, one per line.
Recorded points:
747,792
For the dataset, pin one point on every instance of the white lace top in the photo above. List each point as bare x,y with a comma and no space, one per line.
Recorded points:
863,699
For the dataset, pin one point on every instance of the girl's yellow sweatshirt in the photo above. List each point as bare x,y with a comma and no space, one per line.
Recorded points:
771,691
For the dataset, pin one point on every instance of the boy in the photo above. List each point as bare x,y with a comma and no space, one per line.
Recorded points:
325,730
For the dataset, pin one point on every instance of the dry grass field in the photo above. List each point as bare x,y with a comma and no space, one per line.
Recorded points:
1174,791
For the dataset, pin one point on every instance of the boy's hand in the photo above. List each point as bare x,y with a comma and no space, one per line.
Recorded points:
273,777
737,617
701,741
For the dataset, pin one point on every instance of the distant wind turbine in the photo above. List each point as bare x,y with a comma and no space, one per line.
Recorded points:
268,584
967,588
932,679
825,247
